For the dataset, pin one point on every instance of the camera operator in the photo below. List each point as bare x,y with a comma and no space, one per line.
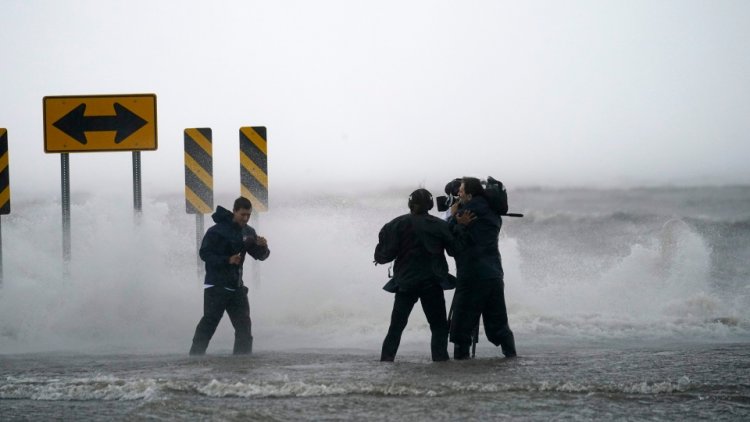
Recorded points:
417,242
223,249
479,289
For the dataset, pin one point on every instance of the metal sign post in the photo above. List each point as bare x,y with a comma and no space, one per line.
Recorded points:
254,266
1,253
199,230
137,196
65,177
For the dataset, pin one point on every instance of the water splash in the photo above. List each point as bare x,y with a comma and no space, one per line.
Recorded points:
134,283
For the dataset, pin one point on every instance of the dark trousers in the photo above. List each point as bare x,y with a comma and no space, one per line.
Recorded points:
486,298
433,305
216,300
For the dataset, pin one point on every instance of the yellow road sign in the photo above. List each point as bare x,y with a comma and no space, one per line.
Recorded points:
100,123
199,181
254,166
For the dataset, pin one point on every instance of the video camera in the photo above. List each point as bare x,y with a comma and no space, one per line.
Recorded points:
450,197
494,190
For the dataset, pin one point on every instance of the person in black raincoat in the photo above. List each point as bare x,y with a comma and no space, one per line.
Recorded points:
417,241
223,249
479,289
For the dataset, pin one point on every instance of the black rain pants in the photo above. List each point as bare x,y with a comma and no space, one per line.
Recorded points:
485,298
216,300
433,305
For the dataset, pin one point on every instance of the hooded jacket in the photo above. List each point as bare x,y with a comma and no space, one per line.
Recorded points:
417,242
223,240
479,257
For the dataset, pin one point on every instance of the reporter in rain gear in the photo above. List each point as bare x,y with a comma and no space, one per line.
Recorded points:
417,241
223,249
479,289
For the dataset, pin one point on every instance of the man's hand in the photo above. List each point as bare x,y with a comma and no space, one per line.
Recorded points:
465,218
235,259
454,207
261,241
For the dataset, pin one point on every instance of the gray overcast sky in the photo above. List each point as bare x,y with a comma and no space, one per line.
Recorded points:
376,93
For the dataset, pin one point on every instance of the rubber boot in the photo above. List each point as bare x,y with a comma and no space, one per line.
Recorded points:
198,349
509,346
461,352
243,346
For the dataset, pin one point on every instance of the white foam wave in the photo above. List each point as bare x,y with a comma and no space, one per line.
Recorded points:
108,388
662,288
104,388
680,385
217,388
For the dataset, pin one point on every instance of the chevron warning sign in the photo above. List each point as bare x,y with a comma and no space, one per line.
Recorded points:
254,166
4,173
199,182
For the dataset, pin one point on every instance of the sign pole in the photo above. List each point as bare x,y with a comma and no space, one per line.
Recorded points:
198,238
65,176
1,253
137,195
254,266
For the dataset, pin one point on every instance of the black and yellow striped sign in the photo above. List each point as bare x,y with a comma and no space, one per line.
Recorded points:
199,181
4,173
254,166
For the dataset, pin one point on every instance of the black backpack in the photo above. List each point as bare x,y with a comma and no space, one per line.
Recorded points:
497,196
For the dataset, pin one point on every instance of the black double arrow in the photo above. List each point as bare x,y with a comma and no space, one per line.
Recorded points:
124,123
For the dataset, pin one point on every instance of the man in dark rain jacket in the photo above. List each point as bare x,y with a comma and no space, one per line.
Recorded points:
479,289
223,249
417,242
